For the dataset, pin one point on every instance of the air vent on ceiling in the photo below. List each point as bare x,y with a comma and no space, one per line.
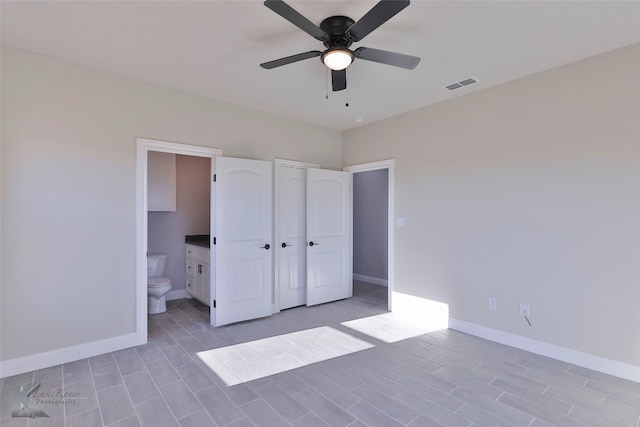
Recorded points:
462,83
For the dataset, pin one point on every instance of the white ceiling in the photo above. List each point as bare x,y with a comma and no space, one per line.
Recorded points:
214,48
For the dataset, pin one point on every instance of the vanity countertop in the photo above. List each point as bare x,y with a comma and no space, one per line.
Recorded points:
202,240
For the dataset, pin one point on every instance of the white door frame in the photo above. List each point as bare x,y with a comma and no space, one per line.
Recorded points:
390,166
143,147
277,163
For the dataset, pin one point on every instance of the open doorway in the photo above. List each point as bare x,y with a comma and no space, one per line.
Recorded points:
373,213
187,219
370,234
144,146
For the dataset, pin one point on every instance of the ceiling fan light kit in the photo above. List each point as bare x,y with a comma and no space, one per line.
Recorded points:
337,33
337,59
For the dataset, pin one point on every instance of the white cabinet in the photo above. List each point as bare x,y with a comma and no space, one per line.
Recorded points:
198,273
161,181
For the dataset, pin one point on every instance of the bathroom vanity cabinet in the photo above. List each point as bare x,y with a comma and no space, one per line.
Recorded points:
198,273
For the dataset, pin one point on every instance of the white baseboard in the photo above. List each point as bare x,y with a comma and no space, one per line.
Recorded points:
585,360
33,362
179,294
369,279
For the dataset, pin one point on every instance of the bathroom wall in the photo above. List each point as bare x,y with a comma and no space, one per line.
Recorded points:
166,230
370,213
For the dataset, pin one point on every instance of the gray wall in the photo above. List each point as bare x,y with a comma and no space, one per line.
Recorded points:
528,192
370,213
68,179
166,230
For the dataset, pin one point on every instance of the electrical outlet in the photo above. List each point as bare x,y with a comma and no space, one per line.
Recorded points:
493,303
525,310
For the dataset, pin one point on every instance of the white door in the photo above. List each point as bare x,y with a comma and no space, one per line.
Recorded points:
243,262
291,236
329,257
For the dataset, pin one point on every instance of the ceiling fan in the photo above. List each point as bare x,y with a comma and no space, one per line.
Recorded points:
337,33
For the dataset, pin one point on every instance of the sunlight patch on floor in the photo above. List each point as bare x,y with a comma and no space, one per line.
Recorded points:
411,317
388,327
269,356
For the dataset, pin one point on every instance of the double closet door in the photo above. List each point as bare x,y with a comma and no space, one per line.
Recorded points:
314,238
313,235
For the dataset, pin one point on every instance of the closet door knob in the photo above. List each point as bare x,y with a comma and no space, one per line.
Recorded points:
284,245
267,246
314,244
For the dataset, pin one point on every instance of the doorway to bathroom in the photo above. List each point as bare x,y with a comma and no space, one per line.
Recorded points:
179,209
240,220
164,230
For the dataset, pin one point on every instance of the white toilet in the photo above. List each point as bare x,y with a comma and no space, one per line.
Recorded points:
157,286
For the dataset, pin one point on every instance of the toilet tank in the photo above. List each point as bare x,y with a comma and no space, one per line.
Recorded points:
155,265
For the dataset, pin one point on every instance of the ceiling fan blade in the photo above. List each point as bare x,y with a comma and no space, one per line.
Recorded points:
378,15
291,15
385,57
339,80
290,59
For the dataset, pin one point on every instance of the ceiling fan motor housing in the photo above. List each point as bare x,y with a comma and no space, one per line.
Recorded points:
336,28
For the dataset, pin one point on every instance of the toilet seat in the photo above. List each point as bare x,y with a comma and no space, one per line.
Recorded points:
156,282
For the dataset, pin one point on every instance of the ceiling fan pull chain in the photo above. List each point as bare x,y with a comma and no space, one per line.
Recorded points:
326,84
347,104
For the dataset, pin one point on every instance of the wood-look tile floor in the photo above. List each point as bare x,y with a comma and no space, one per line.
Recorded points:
304,367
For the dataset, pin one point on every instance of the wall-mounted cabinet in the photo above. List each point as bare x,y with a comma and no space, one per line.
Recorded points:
161,181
